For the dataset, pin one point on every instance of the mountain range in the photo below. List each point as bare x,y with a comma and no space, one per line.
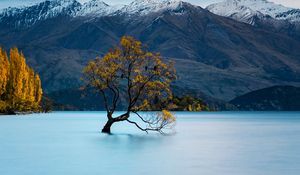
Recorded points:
261,13
248,10
216,55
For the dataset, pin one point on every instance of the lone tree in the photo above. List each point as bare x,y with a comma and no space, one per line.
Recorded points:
141,78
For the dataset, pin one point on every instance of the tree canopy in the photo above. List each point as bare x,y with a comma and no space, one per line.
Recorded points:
141,77
20,86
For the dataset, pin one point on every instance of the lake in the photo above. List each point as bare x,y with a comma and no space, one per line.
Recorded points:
218,143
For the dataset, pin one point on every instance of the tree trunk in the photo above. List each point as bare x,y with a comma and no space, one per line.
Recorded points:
107,126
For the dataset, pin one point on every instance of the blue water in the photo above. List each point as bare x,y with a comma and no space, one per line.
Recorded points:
225,143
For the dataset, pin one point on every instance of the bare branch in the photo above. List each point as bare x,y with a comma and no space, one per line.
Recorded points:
146,129
148,122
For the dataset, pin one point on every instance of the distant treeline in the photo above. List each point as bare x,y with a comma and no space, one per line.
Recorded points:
78,100
182,103
20,86
188,103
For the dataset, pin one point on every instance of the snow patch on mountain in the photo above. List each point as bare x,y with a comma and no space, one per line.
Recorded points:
27,16
97,8
93,8
245,10
144,7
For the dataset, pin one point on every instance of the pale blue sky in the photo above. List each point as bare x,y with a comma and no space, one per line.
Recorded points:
202,3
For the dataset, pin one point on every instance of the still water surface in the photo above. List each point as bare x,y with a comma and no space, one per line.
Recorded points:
224,143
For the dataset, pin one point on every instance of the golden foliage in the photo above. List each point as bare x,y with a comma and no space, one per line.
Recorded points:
37,88
144,73
3,106
168,116
20,87
4,71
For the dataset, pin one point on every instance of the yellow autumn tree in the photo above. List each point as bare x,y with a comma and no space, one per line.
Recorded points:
20,87
30,96
38,92
139,76
4,76
4,71
18,75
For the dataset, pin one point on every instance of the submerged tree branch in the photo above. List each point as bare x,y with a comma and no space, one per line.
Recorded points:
159,129
146,121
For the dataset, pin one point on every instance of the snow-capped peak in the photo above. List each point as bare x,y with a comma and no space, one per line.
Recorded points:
96,8
244,10
52,8
27,16
143,7
94,4
47,9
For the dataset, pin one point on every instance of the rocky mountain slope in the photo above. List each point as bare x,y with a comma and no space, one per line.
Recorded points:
214,55
261,14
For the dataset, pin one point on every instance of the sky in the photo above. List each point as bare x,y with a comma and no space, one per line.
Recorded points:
202,3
